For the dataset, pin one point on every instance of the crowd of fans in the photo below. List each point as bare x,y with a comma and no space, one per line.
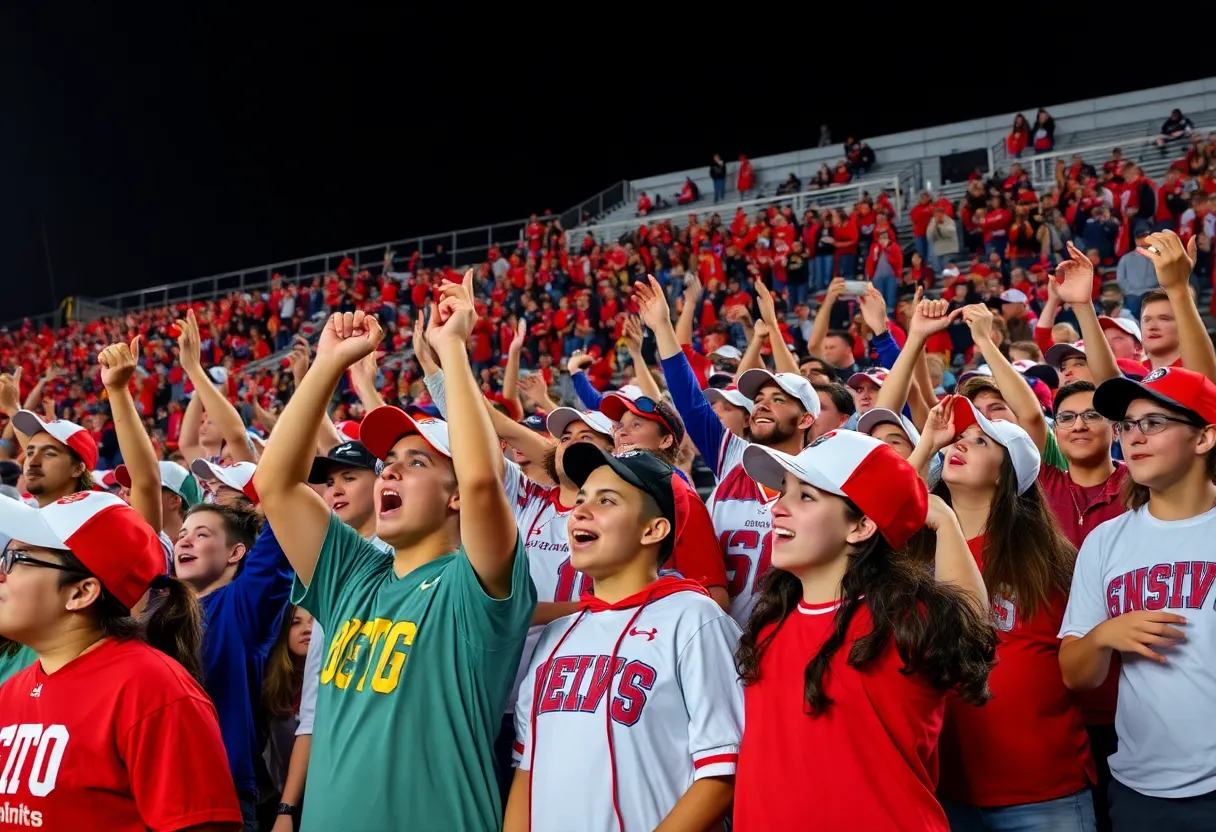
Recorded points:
403,532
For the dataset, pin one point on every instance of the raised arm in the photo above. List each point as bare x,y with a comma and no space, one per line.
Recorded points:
928,318
188,442
583,388
528,442
692,294
1173,273
642,376
1074,280
751,359
823,317
510,382
299,516
1013,386
953,562
783,359
363,379
484,510
10,402
938,432
1047,319
118,363
219,409
537,390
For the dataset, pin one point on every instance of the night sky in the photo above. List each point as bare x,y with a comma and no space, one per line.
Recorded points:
154,147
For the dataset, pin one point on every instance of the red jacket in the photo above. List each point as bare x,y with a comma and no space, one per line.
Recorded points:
845,237
921,216
895,257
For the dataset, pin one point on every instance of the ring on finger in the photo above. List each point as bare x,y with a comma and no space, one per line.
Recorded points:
1154,249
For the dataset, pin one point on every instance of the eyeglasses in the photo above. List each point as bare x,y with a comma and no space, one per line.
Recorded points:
1151,424
12,557
1067,418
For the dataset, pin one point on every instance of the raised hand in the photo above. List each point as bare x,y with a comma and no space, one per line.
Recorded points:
835,291
348,337
189,343
422,349
118,363
579,360
1173,264
10,392
1140,631
301,355
760,330
521,333
764,300
939,513
1074,278
873,309
534,387
931,316
363,371
633,333
452,320
692,288
978,318
652,303
939,426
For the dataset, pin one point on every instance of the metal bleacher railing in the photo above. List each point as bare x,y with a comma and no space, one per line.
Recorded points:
903,185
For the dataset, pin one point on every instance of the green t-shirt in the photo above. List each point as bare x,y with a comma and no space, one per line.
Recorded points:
10,665
417,671
1052,455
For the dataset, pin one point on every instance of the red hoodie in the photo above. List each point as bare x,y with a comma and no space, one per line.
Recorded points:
895,257
845,237
921,216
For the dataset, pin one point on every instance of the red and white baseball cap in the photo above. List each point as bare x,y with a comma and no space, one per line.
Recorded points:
105,534
727,352
1056,353
69,433
792,383
1013,296
560,419
106,479
1175,387
383,428
875,375
730,395
850,464
348,428
1126,324
1023,453
238,475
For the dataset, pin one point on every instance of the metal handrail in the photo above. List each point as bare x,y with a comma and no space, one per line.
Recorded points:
1052,156
800,201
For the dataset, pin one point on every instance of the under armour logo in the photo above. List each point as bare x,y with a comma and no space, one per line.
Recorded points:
37,691
650,634
1156,374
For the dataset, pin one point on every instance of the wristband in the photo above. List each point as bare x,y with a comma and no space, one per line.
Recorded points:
285,809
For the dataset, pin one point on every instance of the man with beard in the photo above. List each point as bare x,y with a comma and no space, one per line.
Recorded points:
59,456
785,407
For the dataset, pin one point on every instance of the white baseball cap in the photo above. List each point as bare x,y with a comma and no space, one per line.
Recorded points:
218,374
105,534
238,475
381,429
632,392
1022,450
728,352
876,376
730,395
792,383
849,464
69,433
1056,353
882,416
172,476
561,418
1013,296
1126,324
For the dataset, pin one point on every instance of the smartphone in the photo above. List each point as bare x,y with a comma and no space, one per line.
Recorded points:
855,288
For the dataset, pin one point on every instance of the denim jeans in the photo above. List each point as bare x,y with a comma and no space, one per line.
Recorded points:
921,245
889,286
1074,813
847,266
719,190
937,262
1132,304
798,293
995,244
1131,810
821,272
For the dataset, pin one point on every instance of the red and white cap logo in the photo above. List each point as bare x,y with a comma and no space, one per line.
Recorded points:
383,427
105,534
69,433
238,475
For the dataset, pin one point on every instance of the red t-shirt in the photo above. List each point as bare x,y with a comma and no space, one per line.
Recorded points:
1027,744
868,762
697,554
119,738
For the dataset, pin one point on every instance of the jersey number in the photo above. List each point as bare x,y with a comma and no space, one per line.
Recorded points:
738,565
567,577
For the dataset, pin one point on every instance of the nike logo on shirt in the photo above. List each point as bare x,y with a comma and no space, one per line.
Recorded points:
425,585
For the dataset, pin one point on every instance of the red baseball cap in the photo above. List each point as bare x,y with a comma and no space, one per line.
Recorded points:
105,534
1175,387
69,433
384,426
850,464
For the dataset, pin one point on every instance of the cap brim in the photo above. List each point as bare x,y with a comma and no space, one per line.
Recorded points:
1056,354
27,422
25,524
878,416
768,467
322,466
563,417
616,405
1044,373
1113,396
204,470
582,458
381,429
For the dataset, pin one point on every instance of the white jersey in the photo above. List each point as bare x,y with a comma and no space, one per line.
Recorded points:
312,663
542,522
644,699
1167,737
741,509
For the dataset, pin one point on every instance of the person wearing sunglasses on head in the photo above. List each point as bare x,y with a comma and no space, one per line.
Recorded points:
110,728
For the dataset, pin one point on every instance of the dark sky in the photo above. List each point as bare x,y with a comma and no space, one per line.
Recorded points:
155,147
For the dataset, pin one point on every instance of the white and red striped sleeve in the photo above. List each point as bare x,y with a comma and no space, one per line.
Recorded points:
713,697
521,747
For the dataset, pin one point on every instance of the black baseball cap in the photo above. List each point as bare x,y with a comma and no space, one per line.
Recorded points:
10,472
347,455
535,422
641,469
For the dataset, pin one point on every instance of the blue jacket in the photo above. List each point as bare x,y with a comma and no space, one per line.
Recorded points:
242,622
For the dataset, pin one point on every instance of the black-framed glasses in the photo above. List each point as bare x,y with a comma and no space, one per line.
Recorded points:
12,557
1151,424
1068,418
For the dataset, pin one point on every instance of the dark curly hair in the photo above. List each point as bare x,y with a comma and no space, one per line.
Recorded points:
936,630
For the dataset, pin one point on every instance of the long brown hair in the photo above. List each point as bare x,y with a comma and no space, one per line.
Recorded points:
284,673
936,630
172,622
1026,556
